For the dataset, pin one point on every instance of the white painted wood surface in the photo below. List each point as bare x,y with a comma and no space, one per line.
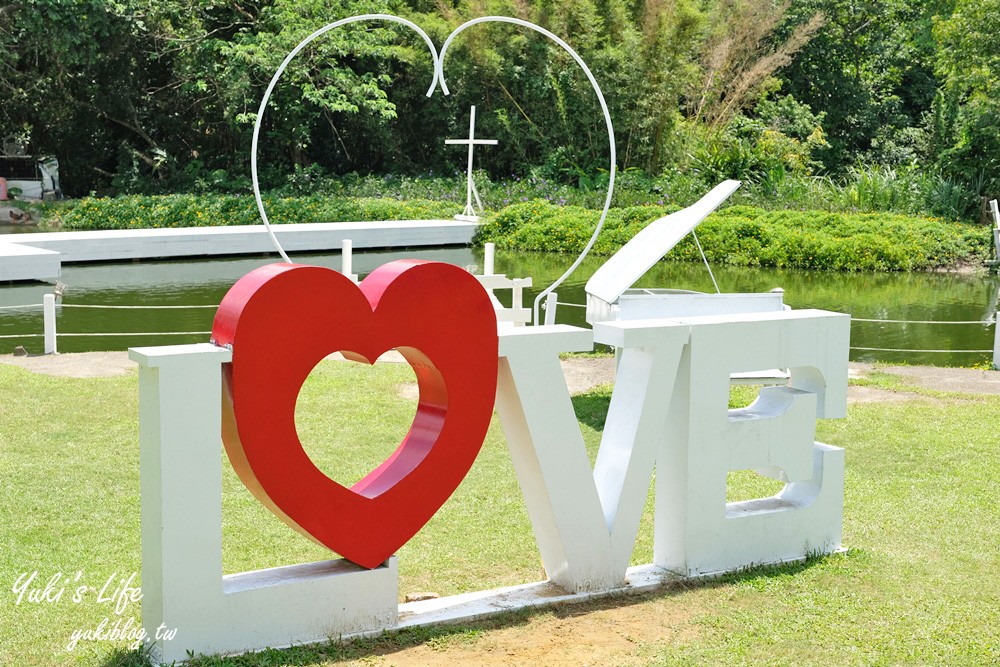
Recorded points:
995,210
668,411
180,479
696,531
32,252
670,406
24,262
649,246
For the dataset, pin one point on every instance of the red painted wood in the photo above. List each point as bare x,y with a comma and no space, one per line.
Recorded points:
283,319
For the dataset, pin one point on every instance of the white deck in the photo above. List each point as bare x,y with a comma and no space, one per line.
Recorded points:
22,262
39,256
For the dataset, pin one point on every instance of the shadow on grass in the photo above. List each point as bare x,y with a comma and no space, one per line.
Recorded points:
123,658
592,407
673,589
441,637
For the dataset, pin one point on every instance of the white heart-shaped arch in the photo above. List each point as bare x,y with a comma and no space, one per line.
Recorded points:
439,77
281,70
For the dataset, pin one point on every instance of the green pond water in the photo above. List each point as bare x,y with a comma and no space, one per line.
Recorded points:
913,297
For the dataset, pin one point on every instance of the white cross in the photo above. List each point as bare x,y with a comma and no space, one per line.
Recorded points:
471,187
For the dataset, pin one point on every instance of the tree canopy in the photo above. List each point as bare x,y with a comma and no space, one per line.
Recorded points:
143,96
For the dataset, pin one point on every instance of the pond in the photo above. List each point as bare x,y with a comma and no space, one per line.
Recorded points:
918,298
7,228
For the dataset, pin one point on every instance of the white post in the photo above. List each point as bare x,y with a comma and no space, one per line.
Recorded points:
995,210
472,135
49,319
996,341
517,298
551,303
347,259
489,259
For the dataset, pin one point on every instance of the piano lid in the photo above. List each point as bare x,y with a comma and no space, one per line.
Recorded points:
649,246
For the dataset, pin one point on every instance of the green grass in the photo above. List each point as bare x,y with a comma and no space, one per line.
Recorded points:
917,587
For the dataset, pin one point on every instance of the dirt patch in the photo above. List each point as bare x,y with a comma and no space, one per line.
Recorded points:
963,380
82,365
408,390
585,373
875,395
612,633
582,374
964,267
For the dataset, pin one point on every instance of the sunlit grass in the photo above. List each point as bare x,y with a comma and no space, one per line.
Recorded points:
917,587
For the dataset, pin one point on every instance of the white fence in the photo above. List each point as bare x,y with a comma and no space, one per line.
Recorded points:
49,310
993,323
552,302
50,333
50,307
49,304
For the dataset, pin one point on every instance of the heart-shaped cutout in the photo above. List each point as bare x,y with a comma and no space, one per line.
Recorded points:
282,319
350,417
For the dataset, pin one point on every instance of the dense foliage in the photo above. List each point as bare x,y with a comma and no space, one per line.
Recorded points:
145,97
749,236
148,211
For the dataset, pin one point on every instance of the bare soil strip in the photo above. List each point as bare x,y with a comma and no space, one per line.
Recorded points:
582,374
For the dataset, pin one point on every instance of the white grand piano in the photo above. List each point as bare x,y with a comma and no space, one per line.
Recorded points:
611,295
610,291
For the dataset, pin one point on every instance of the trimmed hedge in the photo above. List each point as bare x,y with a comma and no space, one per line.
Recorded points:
738,235
748,236
143,212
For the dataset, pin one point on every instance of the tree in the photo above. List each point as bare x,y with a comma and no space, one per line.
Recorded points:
166,92
741,56
75,80
968,107
870,69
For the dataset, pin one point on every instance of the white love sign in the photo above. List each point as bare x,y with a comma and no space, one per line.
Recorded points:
669,410
668,414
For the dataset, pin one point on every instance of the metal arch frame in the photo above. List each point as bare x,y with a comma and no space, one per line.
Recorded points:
439,75
277,75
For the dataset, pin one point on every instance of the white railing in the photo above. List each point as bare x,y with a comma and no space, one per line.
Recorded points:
517,313
49,309
50,333
49,305
993,323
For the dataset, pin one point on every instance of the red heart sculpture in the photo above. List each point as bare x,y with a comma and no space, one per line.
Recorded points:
283,319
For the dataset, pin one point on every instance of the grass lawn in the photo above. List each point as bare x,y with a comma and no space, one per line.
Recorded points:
919,585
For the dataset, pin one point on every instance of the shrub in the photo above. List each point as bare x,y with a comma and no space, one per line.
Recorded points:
750,236
142,212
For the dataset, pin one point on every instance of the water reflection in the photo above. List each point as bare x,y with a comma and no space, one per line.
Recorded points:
915,297
7,228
